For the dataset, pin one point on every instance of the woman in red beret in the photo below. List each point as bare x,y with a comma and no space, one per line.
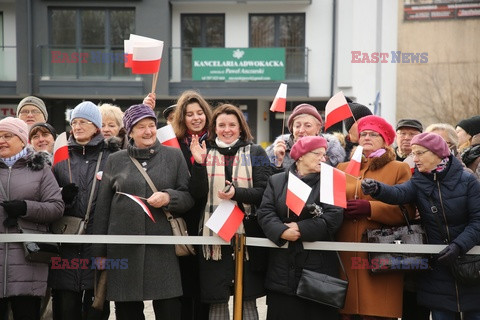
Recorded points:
372,297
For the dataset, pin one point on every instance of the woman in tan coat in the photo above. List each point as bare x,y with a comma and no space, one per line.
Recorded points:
372,296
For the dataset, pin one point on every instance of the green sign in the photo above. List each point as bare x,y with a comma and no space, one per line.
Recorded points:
238,64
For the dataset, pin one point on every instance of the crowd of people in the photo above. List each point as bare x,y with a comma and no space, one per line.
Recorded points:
113,154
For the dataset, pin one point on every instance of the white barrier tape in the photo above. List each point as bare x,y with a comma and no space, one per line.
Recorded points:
250,241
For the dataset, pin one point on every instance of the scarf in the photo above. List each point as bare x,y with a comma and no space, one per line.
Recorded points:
378,153
11,161
441,166
241,177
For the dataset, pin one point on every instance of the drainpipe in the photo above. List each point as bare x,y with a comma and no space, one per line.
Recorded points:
334,42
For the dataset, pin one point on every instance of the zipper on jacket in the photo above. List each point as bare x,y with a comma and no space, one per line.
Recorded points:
448,235
5,266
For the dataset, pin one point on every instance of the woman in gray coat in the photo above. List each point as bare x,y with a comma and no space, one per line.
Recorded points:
30,200
149,272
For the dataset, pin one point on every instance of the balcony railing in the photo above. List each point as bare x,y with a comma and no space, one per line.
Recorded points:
8,63
296,59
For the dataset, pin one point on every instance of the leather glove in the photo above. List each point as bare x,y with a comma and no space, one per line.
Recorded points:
14,209
447,256
357,209
369,186
69,192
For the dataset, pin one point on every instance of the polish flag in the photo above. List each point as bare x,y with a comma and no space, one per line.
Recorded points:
333,186
147,57
409,160
167,136
297,193
140,203
279,104
337,109
60,148
353,167
225,220
128,51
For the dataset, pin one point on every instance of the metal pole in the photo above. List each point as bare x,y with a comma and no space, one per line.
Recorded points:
238,295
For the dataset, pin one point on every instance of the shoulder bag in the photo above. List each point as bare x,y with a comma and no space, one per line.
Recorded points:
72,224
179,227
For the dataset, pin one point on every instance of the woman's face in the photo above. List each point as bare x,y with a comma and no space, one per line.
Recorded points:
10,144
305,125
144,133
83,130
227,128
31,115
311,161
424,159
42,141
463,136
110,128
195,118
371,141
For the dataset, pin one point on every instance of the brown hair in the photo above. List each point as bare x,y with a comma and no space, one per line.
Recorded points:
230,109
186,98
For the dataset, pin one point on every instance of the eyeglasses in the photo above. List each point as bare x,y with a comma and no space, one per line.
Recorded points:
80,123
7,137
319,154
418,153
34,112
371,134
406,134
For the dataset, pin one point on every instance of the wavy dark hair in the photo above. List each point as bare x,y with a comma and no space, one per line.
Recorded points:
226,108
186,98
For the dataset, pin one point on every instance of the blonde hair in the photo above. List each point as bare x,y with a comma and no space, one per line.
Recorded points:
108,110
448,128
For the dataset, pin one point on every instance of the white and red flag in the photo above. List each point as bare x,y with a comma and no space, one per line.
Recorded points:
337,109
333,186
139,201
167,136
353,167
297,193
147,57
128,53
60,148
225,220
279,104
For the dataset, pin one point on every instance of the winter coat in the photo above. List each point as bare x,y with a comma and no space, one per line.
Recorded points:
376,295
29,179
153,272
456,194
285,265
217,276
83,161
335,151
471,157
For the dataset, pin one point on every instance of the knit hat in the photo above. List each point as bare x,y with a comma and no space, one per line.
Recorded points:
307,144
433,142
136,113
87,110
410,123
45,125
470,125
303,108
359,111
34,101
169,110
16,126
377,124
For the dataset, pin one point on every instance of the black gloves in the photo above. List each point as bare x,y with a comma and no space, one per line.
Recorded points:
14,209
369,186
357,209
447,256
69,192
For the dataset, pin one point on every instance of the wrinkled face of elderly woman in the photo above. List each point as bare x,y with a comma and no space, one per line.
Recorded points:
305,125
10,144
144,133
83,130
424,159
110,127
371,141
311,161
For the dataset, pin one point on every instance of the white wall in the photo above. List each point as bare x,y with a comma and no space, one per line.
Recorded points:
8,57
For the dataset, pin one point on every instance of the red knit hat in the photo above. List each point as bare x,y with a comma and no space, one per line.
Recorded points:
304,108
433,142
377,124
307,144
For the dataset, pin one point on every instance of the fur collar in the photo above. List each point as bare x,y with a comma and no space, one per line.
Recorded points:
380,162
36,161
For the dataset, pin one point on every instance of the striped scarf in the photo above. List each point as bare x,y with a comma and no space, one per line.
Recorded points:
241,177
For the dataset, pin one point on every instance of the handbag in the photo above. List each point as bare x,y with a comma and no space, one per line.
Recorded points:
382,262
73,224
179,226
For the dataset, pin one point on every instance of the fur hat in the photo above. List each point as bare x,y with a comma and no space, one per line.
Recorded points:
307,144
377,124
89,111
303,108
136,113
410,123
16,126
34,101
433,142
359,111
470,125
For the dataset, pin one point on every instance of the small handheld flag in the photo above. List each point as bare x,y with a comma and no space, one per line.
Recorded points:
297,193
337,109
225,220
280,102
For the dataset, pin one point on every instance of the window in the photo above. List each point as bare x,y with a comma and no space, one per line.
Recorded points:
200,31
95,36
282,30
